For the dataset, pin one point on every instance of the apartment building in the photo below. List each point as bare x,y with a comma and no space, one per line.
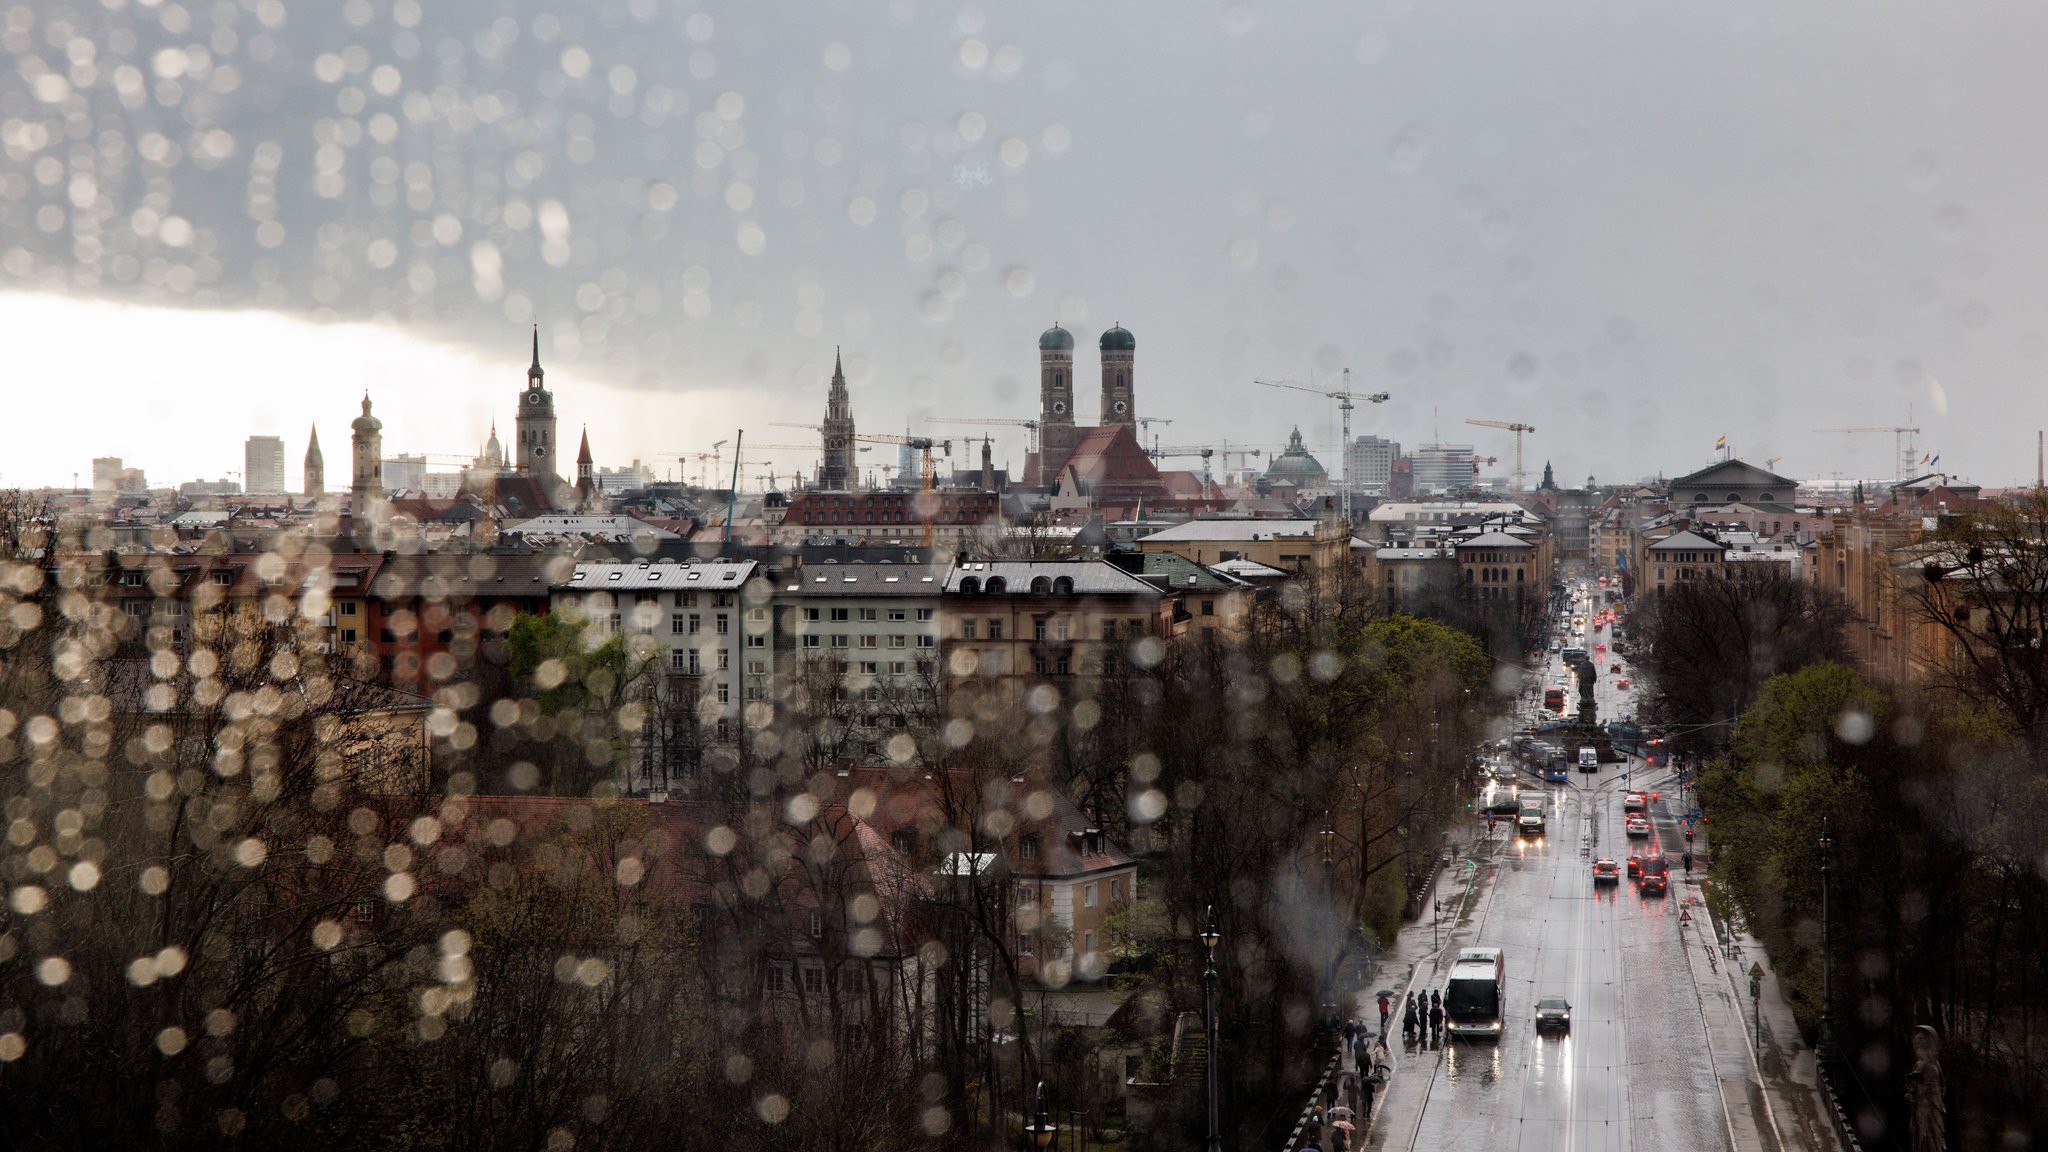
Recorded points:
1020,623
703,621
876,626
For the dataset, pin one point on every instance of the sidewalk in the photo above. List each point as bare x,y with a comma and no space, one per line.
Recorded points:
1789,1072
1412,963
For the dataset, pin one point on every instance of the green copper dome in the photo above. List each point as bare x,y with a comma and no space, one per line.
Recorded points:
1056,339
1119,339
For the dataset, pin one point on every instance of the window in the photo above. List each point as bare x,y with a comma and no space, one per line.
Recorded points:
817,924
1024,943
223,578
810,641
757,641
1109,629
1088,896
926,613
898,614
899,667
348,608
924,642
679,625
1059,628
757,667
696,622
772,979
1208,607
1027,895
366,911
348,635
679,660
1087,942
1116,891
811,614
868,614
995,629
839,640
694,666
724,659
867,641
724,692
722,600
899,641
870,668
840,615
686,599
814,980
967,629
1028,847
1038,629
724,624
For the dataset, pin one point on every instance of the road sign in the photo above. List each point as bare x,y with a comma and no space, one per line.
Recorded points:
1685,916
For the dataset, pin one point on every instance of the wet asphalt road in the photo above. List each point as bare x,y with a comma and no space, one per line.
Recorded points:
1633,1073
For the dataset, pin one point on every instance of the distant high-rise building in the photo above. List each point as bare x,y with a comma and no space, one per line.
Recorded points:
106,473
263,465
1369,462
837,473
316,467
1443,468
405,472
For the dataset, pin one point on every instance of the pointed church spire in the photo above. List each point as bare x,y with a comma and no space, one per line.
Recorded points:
533,371
316,465
583,454
838,373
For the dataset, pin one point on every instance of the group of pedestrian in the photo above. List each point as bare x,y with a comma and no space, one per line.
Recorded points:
1423,1018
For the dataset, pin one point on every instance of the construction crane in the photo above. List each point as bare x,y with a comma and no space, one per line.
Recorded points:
1203,450
1344,397
1902,446
1517,428
818,428
702,458
1030,427
1145,424
923,444
1772,463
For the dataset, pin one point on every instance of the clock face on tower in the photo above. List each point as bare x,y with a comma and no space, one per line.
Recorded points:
1121,407
1059,407
533,397
540,451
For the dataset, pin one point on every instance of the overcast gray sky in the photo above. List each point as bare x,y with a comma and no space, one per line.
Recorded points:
1637,226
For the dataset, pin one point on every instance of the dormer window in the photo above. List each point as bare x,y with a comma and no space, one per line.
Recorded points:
1027,848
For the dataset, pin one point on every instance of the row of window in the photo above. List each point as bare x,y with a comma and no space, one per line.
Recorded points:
842,615
842,640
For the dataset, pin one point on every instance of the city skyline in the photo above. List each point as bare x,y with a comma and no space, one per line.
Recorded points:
1394,191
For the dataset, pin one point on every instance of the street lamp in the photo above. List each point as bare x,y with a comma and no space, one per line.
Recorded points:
1329,835
1042,1133
1210,938
1825,1050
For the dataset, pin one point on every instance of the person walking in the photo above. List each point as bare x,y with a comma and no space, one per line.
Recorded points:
1436,1018
1386,1010
1408,1019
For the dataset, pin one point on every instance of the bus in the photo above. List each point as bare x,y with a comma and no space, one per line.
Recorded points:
1553,698
1474,993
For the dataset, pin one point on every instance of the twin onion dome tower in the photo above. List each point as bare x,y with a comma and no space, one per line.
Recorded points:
1057,432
